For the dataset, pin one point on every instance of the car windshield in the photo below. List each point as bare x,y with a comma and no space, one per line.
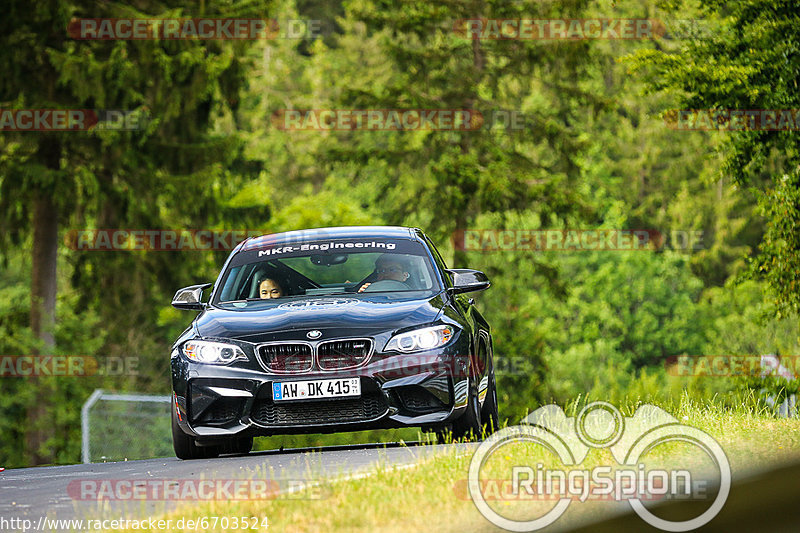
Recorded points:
342,266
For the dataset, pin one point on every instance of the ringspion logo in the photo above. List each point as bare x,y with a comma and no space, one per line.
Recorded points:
599,425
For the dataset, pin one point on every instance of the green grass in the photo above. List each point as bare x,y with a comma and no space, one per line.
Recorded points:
432,494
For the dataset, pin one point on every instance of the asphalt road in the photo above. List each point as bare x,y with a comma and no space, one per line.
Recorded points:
56,491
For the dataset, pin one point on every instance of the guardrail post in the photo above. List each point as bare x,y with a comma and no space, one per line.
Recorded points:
96,395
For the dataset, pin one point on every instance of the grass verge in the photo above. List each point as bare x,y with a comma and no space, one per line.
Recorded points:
432,494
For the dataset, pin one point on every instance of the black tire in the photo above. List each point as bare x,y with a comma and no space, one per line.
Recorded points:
185,446
468,426
490,414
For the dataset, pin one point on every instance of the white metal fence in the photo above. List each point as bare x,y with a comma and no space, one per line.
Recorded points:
116,427
771,365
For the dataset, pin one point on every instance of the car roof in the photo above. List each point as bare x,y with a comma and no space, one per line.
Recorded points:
341,232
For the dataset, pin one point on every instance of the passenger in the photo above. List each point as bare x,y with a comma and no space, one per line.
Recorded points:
268,288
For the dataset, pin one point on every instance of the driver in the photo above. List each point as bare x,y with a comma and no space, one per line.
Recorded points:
268,288
389,267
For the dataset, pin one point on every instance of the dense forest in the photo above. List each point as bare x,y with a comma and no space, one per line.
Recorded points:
575,133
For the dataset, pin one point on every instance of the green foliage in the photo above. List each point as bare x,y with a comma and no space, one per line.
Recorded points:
779,262
417,61
79,332
594,153
748,62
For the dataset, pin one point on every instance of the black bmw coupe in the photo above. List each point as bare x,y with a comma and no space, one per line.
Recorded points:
327,330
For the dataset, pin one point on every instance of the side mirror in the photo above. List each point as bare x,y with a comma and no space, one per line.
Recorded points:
190,298
468,280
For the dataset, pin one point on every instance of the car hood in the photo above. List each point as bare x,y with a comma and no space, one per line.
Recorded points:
334,316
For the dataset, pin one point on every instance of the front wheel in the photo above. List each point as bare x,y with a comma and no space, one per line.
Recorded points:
490,413
469,425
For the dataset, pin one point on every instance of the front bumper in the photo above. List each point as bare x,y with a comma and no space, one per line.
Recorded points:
214,401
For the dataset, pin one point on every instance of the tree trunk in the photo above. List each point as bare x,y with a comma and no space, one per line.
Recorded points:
464,214
43,298
43,278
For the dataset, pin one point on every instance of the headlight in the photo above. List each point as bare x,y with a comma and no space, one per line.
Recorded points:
217,353
421,339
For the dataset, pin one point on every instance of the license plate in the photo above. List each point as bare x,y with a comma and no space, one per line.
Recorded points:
321,388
